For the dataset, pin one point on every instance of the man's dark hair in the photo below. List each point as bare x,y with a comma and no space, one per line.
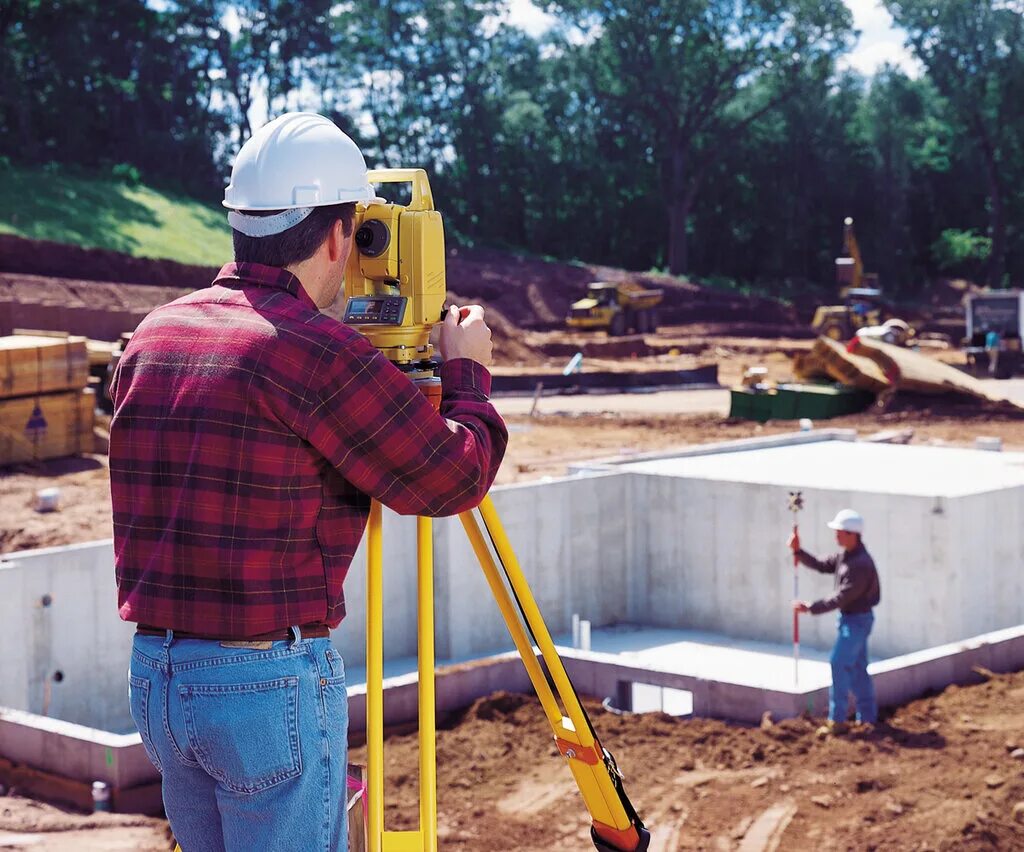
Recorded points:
297,243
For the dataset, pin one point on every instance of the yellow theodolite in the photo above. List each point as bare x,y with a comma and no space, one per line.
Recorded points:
395,282
395,279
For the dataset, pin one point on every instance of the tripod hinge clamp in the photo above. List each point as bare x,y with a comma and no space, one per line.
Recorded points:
574,751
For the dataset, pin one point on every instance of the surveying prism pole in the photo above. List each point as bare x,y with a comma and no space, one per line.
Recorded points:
796,503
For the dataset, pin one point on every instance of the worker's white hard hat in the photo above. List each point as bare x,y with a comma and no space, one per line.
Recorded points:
848,521
295,163
896,323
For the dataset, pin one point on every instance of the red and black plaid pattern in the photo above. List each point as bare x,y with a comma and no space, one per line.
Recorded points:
248,435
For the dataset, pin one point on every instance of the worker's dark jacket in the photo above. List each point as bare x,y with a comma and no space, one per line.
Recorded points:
857,589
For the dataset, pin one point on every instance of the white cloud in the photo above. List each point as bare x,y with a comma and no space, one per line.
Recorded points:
526,16
880,41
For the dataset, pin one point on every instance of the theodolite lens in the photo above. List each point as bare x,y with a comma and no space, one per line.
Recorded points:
373,237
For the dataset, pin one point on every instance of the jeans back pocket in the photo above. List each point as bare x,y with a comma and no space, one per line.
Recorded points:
245,735
138,705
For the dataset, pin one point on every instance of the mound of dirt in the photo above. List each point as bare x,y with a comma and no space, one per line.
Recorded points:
58,260
54,286
939,773
943,772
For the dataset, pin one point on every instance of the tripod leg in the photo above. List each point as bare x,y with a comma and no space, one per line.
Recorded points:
616,826
425,839
374,680
427,742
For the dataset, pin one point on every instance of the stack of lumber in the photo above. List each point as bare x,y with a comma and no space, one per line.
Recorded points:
46,410
878,367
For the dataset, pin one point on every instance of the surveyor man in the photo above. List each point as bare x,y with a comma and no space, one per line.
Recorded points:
857,592
250,433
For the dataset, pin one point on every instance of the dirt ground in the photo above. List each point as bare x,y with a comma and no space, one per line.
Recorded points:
939,774
542,446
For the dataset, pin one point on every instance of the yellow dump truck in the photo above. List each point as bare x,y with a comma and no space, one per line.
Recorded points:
617,307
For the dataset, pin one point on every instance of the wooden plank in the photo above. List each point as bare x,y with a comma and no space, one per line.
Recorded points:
357,809
99,350
48,426
31,365
918,373
831,358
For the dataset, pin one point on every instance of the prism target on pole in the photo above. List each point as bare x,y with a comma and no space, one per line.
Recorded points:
796,503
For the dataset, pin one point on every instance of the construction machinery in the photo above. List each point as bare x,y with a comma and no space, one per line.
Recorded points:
994,332
618,308
862,306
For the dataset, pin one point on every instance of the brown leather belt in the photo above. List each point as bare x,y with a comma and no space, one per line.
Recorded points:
309,631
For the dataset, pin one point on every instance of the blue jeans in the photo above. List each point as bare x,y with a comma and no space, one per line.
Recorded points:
251,743
850,670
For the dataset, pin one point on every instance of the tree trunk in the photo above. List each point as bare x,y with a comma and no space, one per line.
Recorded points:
679,204
996,215
997,229
678,240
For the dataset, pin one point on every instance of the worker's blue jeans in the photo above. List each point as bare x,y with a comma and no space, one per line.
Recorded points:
251,742
850,670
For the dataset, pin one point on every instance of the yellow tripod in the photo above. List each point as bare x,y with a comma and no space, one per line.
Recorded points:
616,826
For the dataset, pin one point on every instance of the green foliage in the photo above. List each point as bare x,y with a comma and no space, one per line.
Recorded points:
961,251
102,211
974,53
706,135
127,174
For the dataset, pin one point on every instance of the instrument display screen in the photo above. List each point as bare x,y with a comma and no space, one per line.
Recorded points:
366,307
375,310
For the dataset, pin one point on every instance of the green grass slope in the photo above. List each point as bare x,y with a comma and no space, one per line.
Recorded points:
102,211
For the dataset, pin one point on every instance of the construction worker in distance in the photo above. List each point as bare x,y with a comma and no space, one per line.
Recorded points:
857,592
250,432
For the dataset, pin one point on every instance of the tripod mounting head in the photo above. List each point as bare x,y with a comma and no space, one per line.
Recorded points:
395,278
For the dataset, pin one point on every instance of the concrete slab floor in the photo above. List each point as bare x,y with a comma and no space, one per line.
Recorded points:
854,466
690,401
706,655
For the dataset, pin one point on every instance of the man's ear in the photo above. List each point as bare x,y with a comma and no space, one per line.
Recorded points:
336,240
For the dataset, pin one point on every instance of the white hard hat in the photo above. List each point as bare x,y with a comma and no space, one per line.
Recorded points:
848,521
294,163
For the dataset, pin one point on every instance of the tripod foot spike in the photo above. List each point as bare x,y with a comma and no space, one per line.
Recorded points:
642,843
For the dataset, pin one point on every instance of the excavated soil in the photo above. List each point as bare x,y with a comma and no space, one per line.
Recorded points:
941,773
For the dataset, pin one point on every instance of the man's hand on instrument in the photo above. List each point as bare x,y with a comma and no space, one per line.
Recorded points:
801,606
464,334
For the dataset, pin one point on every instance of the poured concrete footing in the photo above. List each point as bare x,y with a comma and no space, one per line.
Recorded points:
63,757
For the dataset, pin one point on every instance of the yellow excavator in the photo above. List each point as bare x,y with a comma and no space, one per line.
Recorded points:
863,307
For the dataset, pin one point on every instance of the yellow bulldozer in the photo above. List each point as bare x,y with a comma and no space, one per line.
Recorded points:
619,308
863,307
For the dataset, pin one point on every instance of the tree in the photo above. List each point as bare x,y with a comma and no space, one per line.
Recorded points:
277,53
98,83
688,77
974,53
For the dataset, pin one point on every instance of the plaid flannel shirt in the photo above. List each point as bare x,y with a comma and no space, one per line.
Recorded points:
250,432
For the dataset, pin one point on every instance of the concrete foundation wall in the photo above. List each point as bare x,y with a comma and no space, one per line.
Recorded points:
986,554
58,607
614,546
572,539
714,557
